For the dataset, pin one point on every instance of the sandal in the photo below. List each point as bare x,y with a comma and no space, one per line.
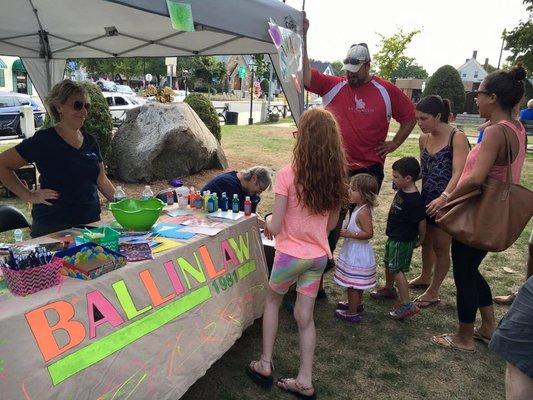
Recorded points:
447,342
265,381
480,337
292,386
425,303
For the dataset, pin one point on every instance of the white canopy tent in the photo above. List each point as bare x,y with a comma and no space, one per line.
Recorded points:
45,33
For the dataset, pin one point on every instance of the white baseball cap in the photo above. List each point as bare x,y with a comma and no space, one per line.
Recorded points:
357,56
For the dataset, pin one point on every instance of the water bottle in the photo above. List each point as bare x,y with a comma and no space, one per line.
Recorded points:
224,202
18,235
247,206
147,193
235,203
119,194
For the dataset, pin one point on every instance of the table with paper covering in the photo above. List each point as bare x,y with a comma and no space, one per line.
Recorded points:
147,330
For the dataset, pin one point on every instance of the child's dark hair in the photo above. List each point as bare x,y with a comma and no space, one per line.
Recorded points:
508,86
435,105
367,185
407,166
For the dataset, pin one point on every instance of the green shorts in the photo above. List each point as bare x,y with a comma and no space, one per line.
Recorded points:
398,255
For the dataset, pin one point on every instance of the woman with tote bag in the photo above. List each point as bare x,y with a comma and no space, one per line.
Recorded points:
503,147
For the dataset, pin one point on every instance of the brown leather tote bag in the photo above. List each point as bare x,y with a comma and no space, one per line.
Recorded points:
490,217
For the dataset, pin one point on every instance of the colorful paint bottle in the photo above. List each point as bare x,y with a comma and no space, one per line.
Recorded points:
210,205
235,203
215,198
224,202
247,206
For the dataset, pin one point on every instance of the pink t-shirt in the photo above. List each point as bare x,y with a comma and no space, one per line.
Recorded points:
499,172
303,233
362,113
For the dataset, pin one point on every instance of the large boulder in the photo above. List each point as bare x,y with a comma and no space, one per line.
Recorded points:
163,141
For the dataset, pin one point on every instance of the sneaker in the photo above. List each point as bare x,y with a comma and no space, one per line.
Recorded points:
352,318
343,305
404,311
384,293
321,294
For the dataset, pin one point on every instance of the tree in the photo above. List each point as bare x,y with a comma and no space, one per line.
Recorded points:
392,51
447,83
407,68
519,41
337,67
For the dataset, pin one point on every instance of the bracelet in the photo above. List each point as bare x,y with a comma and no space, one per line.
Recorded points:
444,195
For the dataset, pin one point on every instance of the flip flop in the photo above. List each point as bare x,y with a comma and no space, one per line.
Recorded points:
295,389
419,286
426,303
480,337
265,381
446,341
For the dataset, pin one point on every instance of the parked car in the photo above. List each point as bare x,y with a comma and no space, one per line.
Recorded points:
125,89
119,103
10,104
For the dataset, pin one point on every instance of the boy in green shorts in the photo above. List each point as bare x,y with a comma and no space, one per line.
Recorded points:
406,228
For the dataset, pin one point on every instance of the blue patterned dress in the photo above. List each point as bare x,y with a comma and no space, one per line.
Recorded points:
436,172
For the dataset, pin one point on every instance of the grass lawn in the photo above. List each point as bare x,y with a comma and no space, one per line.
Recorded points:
380,358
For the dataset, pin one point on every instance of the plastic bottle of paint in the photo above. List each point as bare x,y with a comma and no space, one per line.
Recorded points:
210,204
198,201
247,206
235,203
215,198
224,202
206,195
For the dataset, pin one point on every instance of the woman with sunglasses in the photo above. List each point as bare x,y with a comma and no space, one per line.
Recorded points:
499,92
69,162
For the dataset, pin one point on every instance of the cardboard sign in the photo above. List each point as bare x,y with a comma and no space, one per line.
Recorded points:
147,330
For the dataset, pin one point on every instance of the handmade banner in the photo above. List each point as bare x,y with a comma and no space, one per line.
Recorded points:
147,330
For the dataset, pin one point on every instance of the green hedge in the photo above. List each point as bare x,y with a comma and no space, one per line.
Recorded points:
447,83
205,110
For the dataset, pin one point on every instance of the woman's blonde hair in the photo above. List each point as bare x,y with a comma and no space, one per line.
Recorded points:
60,93
367,185
319,162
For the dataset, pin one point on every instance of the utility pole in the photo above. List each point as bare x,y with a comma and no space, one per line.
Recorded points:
501,50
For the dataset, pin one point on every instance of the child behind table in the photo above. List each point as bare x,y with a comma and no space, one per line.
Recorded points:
406,228
356,266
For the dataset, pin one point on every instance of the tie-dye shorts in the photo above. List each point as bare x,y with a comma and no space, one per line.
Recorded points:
288,270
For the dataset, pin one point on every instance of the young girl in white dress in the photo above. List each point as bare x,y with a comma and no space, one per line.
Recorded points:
356,265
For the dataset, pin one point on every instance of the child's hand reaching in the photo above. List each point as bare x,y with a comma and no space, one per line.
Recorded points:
345,233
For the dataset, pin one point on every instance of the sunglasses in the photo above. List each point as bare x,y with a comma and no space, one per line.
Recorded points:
78,105
477,92
353,61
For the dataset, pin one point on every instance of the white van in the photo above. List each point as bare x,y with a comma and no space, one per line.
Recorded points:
119,103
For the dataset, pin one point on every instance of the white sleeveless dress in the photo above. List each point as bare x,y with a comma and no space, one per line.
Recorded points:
356,264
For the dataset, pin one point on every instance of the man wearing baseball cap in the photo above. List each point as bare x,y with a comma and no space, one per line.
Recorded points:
363,105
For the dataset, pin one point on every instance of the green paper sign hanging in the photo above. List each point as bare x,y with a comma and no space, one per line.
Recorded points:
180,16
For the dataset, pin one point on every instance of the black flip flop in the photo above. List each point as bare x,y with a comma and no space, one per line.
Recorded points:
296,393
262,380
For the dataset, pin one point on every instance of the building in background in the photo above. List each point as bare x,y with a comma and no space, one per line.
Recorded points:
14,78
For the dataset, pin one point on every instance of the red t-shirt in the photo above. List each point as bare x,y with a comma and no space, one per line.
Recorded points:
362,113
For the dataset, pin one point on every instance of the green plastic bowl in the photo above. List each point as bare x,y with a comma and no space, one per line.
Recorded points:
135,214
